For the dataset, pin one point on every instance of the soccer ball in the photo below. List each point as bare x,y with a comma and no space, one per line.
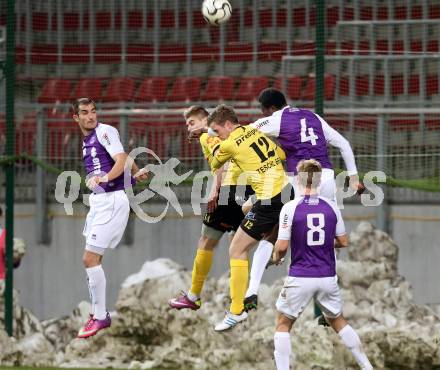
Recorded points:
216,11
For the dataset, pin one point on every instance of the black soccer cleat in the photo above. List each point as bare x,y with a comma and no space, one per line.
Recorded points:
251,303
322,321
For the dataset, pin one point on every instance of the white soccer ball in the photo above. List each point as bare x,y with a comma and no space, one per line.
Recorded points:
216,12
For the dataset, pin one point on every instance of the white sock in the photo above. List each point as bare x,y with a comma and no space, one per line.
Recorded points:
282,350
259,262
97,284
191,296
352,341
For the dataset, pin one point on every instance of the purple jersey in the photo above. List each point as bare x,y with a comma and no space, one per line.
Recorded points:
302,137
311,224
98,148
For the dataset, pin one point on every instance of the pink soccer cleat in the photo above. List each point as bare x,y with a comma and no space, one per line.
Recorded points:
183,301
93,326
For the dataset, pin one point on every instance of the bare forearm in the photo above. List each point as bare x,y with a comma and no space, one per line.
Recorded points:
118,167
280,249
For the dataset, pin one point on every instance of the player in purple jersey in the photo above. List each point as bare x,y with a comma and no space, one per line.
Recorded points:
302,134
104,161
313,226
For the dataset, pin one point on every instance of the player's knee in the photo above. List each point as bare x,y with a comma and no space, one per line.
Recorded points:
337,322
209,237
206,243
91,259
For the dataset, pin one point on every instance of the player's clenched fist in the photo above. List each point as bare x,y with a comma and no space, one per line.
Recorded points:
94,181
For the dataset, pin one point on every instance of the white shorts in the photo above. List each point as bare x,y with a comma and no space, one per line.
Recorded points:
326,189
107,219
298,291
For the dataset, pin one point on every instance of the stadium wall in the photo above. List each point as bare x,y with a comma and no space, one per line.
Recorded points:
52,281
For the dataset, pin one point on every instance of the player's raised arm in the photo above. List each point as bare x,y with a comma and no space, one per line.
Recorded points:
334,138
269,125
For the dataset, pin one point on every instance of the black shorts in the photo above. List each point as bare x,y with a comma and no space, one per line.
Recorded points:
262,218
228,214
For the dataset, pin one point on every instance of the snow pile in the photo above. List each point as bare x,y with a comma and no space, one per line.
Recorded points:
145,333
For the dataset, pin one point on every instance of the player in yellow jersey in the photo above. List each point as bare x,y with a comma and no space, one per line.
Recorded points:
260,159
221,216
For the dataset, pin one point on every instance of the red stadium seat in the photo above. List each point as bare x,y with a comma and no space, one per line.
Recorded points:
434,11
329,88
88,87
379,85
272,51
293,88
40,21
44,54
303,48
76,54
109,53
71,21
185,89
362,86
55,90
119,89
60,126
344,85
140,53
365,124
432,123
400,12
417,12
310,89
172,53
25,137
406,124
250,88
332,15
338,123
431,85
152,89
397,85
134,19
238,52
414,85
218,88
205,53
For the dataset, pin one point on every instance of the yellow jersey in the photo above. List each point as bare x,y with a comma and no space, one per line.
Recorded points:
210,144
258,157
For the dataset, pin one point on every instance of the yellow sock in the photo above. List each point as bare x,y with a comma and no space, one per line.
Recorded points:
202,265
238,284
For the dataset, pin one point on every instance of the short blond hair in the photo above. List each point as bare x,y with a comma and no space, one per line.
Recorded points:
309,173
221,114
195,110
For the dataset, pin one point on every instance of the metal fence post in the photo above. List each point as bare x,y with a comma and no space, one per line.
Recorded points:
9,72
382,214
42,222
128,238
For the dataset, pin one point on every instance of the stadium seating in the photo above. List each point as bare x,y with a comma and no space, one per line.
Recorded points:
119,89
55,90
152,89
293,86
218,88
250,87
88,87
185,89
